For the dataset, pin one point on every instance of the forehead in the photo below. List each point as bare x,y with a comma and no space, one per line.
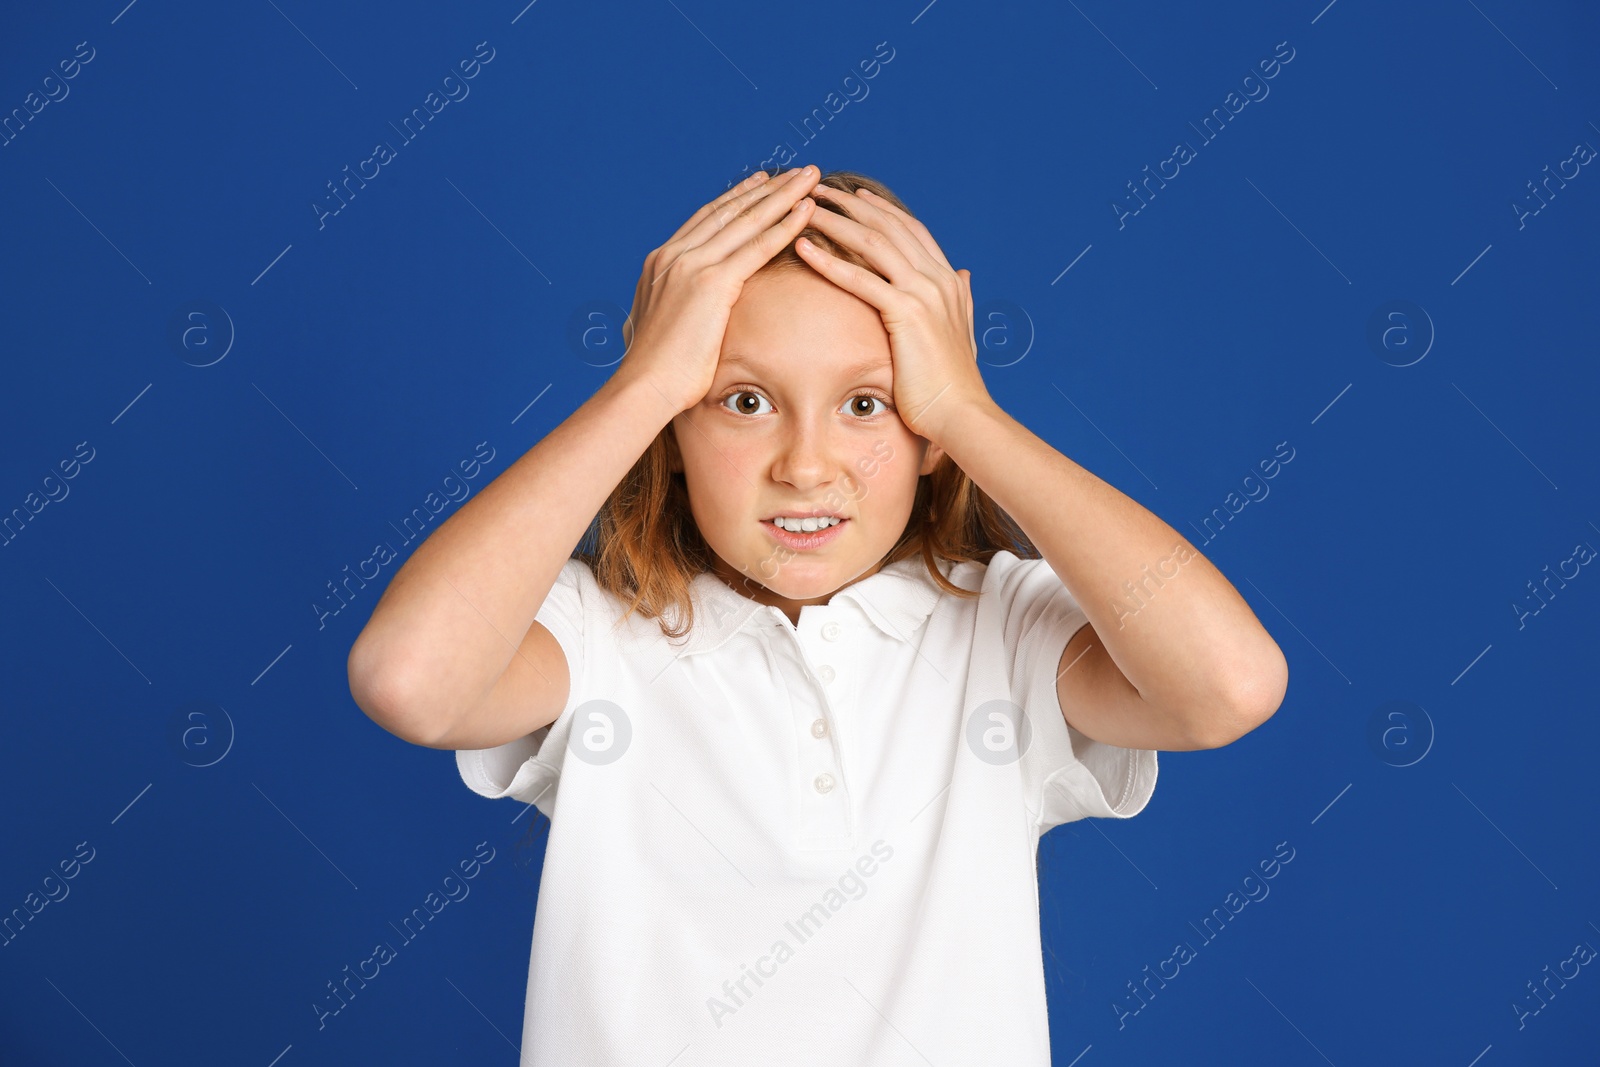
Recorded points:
799,321
854,368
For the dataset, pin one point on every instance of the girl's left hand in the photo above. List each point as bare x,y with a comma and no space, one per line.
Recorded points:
926,305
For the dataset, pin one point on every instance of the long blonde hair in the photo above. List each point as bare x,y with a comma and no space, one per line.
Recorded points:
645,548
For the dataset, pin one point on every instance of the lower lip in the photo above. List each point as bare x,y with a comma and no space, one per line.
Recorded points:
799,541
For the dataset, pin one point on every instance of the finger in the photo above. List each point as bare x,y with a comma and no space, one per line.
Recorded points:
878,247
684,238
756,218
733,209
737,221
758,180
882,295
749,257
910,222
705,223
932,265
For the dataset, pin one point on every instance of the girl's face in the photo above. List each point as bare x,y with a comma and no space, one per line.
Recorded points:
800,418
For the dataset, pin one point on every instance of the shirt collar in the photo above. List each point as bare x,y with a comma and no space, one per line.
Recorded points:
897,598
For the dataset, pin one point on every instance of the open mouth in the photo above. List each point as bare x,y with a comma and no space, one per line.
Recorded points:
808,532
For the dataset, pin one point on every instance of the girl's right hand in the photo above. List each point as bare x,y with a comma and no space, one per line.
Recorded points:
673,336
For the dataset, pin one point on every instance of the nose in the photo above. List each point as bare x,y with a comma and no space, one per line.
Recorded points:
808,457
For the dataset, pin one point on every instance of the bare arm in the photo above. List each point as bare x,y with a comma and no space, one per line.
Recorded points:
1191,668
452,657
1195,668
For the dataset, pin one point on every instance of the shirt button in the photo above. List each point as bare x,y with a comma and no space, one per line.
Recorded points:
825,672
830,631
824,782
819,728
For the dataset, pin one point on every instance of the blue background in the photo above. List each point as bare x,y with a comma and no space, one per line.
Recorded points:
171,699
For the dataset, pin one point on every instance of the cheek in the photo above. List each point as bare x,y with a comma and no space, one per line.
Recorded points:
887,466
718,477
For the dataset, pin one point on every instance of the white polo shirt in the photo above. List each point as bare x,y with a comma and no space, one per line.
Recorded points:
800,845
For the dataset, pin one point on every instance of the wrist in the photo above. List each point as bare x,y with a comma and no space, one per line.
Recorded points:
645,395
943,422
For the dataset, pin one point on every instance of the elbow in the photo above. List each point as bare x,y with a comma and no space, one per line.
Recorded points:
1249,699
379,688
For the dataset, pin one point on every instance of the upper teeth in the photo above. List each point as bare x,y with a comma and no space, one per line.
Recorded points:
805,525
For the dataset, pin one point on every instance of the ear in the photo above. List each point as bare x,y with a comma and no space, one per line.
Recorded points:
930,459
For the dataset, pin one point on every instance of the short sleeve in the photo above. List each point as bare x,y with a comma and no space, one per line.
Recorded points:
1065,775
528,768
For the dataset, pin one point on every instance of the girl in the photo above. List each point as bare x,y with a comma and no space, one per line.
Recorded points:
846,641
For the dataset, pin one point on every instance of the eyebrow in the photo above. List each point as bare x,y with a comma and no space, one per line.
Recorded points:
855,370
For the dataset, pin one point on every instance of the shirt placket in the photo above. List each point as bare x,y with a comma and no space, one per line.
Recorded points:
819,647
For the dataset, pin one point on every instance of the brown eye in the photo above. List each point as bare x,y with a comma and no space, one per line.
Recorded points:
856,403
745,402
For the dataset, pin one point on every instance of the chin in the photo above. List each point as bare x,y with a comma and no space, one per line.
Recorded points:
796,580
